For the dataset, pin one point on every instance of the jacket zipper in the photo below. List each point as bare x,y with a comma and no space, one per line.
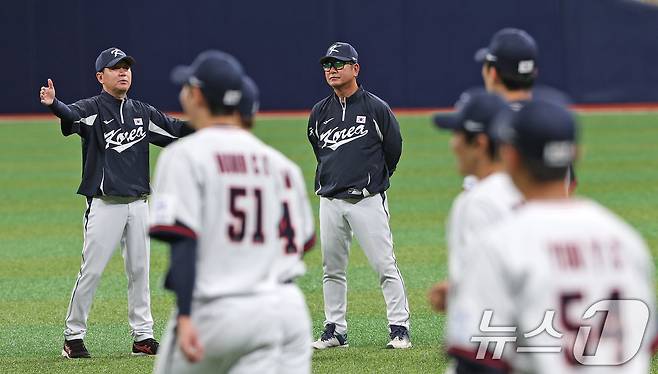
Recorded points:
343,104
121,110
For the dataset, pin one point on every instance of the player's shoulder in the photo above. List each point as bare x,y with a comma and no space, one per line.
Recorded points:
88,103
322,104
281,161
611,219
188,144
375,101
457,207
495,194
493,187
141,106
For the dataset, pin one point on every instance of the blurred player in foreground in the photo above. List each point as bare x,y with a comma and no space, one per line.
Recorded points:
561,286
510,68
297,233
486,203
217,201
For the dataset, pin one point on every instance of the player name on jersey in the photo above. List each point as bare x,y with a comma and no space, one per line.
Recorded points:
235,163
594,255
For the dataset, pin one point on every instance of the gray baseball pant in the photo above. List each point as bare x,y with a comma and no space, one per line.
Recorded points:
108,222
368,219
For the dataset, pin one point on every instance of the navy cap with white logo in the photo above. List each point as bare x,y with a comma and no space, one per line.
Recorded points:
217,74
475,111
341,51
111,57
512,51
249,103
543,131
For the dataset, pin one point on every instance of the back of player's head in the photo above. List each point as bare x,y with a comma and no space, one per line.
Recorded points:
513,53
545,134
249,103
475,113
219,77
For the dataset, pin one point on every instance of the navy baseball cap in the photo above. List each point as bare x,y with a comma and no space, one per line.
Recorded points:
543,131
475,111
249,103
512,51
111,57
341,51
217,74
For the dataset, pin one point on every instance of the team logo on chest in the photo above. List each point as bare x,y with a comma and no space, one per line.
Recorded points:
334,138
121,140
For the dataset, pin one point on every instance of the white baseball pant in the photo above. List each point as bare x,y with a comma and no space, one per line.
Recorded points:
296,353
108,222
239,335
368,219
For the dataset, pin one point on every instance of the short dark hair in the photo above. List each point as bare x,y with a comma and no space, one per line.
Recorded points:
514,82
540,172
492,148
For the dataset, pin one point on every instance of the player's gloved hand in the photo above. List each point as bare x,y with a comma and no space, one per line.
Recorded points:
188,339
47,94
437,296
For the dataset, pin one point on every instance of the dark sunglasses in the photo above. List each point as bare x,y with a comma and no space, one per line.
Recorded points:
339,65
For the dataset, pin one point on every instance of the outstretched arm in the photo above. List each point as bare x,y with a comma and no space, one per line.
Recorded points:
70,120
164,129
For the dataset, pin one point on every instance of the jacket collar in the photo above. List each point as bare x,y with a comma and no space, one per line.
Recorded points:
110,99
355,96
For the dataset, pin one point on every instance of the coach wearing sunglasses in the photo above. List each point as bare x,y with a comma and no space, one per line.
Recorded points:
357,143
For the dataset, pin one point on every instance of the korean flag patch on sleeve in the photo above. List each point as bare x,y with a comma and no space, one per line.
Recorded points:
360,119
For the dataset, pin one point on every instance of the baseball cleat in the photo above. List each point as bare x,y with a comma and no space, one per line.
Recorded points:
399,338
330,339
146,347
75,348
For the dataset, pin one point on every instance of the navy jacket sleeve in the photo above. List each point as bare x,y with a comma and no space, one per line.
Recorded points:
74,117
312,131
391,137
164,129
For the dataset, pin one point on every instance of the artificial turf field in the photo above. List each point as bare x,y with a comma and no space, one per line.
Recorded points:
41,241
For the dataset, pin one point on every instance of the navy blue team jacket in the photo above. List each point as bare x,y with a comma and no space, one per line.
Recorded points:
357,144
115,142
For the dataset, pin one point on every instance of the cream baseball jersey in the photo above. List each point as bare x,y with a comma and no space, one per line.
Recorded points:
223,187
560,286
483,204
296,226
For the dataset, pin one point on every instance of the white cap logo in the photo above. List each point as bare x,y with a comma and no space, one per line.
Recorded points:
117,52
232,97
473,126
334,48
558,154
526,66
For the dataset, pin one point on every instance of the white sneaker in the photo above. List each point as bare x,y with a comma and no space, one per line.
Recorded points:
330,339
399,338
